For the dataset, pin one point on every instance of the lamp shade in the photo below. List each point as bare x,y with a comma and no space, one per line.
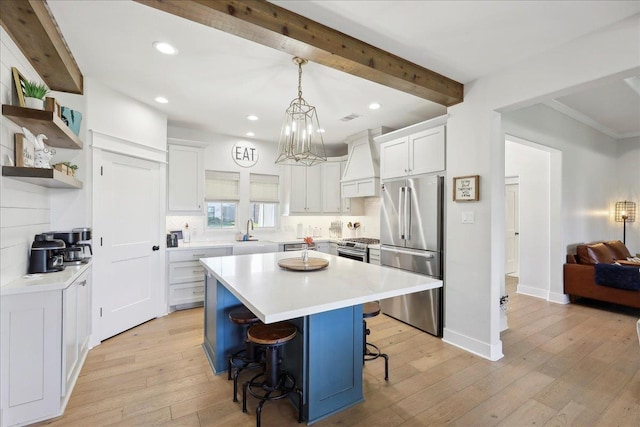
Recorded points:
625,211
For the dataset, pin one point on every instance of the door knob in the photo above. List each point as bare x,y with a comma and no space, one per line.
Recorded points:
156,248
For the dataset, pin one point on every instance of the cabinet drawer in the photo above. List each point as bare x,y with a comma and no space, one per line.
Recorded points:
186,293
196,254
180,272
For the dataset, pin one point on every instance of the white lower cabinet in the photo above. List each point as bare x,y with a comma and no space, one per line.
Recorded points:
322,247
44,342
75,335
333,249
186,274
374,256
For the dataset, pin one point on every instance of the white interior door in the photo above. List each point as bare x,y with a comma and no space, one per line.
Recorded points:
512,229
128,267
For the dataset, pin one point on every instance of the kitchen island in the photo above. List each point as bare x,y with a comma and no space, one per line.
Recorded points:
326,307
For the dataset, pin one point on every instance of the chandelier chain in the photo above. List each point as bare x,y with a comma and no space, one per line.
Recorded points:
300,80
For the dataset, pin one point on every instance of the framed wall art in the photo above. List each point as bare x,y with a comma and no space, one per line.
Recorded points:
18,82
466,188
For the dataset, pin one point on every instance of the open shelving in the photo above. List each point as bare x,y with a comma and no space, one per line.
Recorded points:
51,178
46,122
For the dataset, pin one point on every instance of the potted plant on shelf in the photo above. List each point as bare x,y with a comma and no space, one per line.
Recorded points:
34,93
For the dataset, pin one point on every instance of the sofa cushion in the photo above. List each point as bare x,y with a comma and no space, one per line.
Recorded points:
618,249
599,253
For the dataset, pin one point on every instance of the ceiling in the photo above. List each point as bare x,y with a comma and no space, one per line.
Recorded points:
217,79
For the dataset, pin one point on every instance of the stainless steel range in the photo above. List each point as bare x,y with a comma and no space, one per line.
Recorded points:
356,248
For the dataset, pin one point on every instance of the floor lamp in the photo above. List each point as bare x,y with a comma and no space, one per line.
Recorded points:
625,212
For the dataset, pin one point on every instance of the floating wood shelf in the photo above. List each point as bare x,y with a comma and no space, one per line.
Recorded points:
44,177
46,122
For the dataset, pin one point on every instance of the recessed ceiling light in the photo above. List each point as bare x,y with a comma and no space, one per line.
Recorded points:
166,48
161,100
250,134
374,106
252,117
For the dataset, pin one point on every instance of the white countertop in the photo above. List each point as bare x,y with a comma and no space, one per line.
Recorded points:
42,282
274,294
230,243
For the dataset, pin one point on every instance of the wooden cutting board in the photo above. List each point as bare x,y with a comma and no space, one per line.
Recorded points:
298,265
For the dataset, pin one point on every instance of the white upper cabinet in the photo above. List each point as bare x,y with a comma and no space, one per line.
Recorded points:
306,189
331,200
413,151
186,180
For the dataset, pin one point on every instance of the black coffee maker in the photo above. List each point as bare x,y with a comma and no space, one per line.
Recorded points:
45,257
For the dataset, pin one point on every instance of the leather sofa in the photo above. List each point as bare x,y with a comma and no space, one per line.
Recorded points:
579,273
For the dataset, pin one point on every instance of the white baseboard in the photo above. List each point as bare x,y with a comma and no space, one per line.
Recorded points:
558,298
472,345
532,292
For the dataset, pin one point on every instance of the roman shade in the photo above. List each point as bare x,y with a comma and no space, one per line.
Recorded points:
221,185
264,188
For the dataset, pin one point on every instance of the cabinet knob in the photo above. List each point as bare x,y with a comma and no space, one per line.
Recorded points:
155,248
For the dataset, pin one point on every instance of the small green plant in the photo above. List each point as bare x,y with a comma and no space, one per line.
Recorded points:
70,165
35,89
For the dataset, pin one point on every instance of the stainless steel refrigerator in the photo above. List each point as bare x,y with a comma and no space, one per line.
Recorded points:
411,239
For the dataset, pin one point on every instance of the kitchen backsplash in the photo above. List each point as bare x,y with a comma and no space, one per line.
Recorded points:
369,224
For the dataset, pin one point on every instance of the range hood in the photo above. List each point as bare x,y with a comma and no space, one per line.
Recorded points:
361,177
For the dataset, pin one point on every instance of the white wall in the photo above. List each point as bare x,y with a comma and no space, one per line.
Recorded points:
588,161
24,208
629,188
475,145
533,168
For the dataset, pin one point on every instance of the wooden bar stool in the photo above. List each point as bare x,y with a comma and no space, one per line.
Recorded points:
274,383
247,357
371,351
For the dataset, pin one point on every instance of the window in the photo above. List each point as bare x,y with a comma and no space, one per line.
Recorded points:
264,200
222,195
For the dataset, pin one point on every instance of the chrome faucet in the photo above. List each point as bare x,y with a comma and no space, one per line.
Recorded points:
249,224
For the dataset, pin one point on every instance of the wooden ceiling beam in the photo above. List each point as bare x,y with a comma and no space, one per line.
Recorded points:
33,28
279,28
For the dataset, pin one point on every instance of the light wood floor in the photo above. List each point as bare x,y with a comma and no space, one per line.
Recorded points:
564,365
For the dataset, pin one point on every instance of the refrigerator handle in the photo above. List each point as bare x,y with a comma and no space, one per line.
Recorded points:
407,213
401,213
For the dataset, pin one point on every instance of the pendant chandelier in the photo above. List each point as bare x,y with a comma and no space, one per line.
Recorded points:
301,141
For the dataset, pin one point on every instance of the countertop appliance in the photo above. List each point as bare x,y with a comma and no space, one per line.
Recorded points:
356,248
73,250
172,240
411,239
44,257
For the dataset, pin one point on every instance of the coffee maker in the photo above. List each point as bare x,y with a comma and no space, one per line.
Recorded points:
45,257
73,252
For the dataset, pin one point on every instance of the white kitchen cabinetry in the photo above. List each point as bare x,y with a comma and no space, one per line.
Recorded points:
331,200
306,189
186,274
348,205
75,335
44,343
322,247
415,150
186,180
374,256
333,249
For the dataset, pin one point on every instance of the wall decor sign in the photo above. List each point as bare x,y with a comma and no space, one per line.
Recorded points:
25,151
18,81
245,154
466,188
